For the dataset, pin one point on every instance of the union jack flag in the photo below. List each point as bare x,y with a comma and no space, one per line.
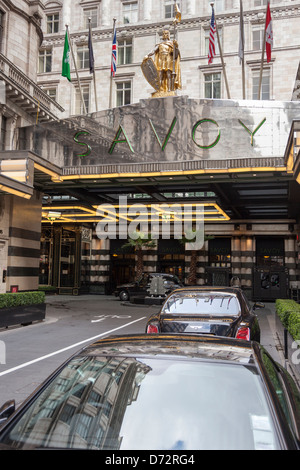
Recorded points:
212,49
114,53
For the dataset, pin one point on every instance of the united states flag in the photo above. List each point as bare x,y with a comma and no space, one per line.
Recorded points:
114,53
212,49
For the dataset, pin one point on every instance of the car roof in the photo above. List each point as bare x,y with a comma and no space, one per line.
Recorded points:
161,274
221,289
187,346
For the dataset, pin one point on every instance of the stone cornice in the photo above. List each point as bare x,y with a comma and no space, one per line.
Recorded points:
144,29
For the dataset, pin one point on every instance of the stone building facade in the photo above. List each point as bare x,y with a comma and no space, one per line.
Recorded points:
255,186
21,101
139,27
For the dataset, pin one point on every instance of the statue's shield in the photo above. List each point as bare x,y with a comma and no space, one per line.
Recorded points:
151,73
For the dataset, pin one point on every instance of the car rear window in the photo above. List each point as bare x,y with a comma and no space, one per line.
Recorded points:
149,403
203,304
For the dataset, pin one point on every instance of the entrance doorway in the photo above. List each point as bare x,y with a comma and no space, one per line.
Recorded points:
46,254
171,258
219,270
122,263
67,259
270,275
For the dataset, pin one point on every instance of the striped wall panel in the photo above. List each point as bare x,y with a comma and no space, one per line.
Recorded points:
24,243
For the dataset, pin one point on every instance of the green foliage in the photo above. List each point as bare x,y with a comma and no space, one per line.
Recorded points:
139,240
21,298
289,314
47,288
294,325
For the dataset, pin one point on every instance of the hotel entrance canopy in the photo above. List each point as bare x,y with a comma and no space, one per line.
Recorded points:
237,158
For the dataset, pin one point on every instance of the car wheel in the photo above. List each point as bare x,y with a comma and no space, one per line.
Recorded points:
124,295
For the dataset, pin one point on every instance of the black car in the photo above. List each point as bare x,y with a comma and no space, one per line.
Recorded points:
164,392
141,287
217,311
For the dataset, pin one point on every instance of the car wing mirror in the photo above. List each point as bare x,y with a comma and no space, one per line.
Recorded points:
7,410
258,305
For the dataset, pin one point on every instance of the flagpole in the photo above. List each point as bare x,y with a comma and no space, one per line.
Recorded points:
221,55
79,84
94,75
242,39
111,78
262,60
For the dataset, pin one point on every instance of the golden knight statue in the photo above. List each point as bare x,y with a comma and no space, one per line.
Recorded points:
164,72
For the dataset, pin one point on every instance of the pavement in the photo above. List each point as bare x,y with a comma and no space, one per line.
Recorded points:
270,338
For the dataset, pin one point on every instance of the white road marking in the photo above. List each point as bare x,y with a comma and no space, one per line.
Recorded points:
25,364
103,317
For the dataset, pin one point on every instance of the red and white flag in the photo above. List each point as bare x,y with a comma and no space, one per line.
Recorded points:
269,34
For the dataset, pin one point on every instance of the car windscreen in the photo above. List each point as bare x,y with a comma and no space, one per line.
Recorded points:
215,304
147,403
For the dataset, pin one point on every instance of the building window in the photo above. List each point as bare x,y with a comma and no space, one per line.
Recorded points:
1,27
265,85
130,12
83,57
124,51
45,60
52,23
259,3
212,85
220,252
123,93
170,8
3,132
93,14
79,109
23,143
51,92
257,37
270,252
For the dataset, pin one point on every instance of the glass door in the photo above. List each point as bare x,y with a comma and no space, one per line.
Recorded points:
67,259
46,250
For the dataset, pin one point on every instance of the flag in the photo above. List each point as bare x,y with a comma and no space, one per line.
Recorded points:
114,53
177,18
269,34
211,47
91,53
242,33
66,70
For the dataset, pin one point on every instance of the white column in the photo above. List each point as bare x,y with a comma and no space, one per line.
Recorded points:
191,7
106,14
290,260
66,14
147,10
236,257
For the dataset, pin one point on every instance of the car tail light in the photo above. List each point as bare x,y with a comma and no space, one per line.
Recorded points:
152,329
243,333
